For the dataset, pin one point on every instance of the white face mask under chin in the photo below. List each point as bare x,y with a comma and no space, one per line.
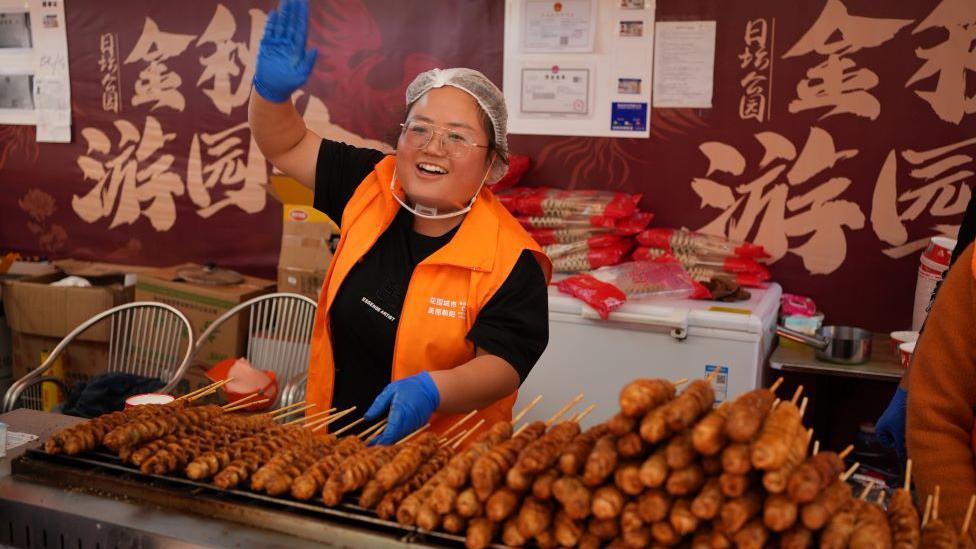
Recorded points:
428,212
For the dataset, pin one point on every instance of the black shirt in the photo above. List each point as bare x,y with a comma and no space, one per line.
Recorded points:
513,325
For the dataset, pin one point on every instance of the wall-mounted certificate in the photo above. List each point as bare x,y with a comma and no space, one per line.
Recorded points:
555,91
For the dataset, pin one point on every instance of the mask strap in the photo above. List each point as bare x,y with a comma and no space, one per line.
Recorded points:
431,213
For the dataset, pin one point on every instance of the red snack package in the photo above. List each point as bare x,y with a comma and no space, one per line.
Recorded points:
574,222
633,224
603,297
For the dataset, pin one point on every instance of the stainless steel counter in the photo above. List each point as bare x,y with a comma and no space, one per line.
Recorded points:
46,504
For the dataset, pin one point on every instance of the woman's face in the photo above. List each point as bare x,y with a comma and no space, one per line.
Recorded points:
445,173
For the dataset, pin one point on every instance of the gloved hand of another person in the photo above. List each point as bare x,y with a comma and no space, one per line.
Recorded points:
890,427
410,401
283,63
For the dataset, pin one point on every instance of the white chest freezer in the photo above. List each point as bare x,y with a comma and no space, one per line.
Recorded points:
668,339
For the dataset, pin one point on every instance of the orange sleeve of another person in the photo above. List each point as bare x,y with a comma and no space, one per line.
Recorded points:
942,395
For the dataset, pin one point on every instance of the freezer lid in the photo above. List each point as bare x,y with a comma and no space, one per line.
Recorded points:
745,316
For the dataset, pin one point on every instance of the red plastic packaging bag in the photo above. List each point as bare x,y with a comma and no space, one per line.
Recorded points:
608,288
561,203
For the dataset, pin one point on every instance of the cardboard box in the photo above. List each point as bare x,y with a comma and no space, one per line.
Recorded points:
81,360
202,305
305,253
35,307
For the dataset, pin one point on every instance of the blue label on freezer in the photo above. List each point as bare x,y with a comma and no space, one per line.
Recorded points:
720,382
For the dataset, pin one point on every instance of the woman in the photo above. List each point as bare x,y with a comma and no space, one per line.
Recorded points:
434,286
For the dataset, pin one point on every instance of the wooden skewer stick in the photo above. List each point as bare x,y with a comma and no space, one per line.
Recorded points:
969,515
376,433
680,382
372,428
846,451
880,499
458,423
344,429
460,441
776,384
866,491
711,376
289,407
297,411
248,398
935,502
928,510
311,416
847,474
413,434
796,395
775,404
816,447
519,430
249,404
908,474
328,420
803,406
210,390
197,391
564,409
461,434
526,410
586,411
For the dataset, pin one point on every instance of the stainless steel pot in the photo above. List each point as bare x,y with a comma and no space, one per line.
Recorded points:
837,344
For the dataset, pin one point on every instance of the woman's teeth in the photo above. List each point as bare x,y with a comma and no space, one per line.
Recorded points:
431,168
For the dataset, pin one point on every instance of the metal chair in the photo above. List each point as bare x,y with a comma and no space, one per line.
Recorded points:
279,339
144,338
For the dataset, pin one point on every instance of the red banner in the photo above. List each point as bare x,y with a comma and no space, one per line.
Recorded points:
841,136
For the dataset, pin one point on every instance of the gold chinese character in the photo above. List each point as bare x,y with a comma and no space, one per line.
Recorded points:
157,84
136,181
837,82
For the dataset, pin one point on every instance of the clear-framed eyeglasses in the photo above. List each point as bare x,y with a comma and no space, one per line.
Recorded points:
455,143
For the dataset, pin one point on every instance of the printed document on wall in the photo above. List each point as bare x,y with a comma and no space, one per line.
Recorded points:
684,64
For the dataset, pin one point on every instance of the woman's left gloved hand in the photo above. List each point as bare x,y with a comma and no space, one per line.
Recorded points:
410,401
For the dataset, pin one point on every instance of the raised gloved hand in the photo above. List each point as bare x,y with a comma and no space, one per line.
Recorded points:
890,427
283,63
410,401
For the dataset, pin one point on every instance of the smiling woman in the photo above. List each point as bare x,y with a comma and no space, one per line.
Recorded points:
436,303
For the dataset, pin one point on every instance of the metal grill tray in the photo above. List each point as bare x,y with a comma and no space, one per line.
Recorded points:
107,473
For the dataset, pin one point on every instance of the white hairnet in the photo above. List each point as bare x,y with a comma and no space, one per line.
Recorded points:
488,96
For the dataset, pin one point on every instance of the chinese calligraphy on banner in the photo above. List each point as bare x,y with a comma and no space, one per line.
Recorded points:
842,134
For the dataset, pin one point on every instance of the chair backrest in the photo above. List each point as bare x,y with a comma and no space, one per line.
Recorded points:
279,337
144,338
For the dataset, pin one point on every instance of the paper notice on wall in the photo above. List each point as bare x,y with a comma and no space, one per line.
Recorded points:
684,64
52,87
52,103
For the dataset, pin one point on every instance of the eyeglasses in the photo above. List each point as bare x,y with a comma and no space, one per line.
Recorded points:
456,144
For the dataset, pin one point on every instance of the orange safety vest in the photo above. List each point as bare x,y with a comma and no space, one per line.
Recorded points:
445,294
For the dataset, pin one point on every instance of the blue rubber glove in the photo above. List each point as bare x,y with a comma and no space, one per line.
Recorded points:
283,63
890,427
410,401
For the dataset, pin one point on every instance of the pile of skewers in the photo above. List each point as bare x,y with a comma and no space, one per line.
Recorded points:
669,469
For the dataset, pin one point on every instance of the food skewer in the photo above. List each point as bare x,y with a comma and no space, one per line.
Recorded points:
247,405
555,417
413,434
969,515
586,411
344,429
447,432
285,412
198,391
243,400
526,410
328,420
210,390
371,429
